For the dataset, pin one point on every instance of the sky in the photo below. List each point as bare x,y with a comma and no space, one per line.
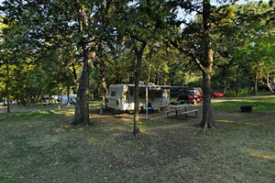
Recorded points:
192,16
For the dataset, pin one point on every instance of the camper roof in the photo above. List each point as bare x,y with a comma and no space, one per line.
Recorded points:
142,86
153,86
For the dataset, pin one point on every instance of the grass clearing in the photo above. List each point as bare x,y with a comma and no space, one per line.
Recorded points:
43,147
259,105
45,106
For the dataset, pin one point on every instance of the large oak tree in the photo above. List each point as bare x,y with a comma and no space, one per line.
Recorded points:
51,25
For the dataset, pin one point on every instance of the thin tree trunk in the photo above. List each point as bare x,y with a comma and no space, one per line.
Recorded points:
225,86
136,95
103,77
256,84
139,54
68,93
7,88
102,71
136,98
224,81
268,85
172,75
60,99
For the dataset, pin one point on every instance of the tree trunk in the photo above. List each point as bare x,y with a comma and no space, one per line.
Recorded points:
136,94
225,86
117,69
136,98
256,84
139,54
157,78
224,75
268,85
60,99
81,115
131,75
103,77
207,120
68,93
172,74
206,67
7,88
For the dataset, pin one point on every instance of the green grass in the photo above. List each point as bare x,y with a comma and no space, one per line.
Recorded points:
34,106
43,147
259,105
96,102
264,92
44,106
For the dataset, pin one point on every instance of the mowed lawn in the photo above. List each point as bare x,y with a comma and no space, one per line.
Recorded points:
42,146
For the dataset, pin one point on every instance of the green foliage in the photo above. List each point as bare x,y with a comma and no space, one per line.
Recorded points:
244,43
41,45
238,93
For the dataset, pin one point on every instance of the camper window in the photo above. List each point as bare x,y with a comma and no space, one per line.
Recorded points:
142,94
160,94
131,92
113,93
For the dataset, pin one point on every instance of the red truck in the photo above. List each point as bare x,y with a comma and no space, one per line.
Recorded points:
190,96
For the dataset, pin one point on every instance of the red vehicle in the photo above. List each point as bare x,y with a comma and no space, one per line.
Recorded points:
217,94
189,96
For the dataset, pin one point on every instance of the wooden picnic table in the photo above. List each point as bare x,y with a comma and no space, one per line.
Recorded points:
180,109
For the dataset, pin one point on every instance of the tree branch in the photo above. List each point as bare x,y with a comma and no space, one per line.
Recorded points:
191,53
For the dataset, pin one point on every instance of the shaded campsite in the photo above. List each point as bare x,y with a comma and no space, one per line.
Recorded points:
42,146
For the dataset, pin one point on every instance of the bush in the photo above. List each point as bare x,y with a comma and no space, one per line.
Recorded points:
238,93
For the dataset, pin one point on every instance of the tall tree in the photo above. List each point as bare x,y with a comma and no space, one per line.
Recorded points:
201,52
137,20
12,55
55,24
259,49
198,39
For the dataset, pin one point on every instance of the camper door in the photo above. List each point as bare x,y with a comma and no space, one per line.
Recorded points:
115,93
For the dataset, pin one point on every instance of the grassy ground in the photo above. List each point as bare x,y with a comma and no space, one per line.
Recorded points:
266,105
41,106
43,147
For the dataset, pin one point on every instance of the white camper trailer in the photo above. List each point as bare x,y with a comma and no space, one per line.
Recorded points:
121,96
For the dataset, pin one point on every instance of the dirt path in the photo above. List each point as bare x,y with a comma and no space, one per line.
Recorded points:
248,97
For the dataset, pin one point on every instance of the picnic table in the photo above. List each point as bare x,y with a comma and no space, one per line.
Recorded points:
180,109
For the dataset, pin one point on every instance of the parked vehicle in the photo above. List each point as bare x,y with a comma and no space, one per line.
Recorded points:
121,96
265,87
4,102
190,96
217,94
64,98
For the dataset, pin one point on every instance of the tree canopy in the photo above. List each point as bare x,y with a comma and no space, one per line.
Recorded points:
49,47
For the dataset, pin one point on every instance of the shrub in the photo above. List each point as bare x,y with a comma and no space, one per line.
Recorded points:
238,93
